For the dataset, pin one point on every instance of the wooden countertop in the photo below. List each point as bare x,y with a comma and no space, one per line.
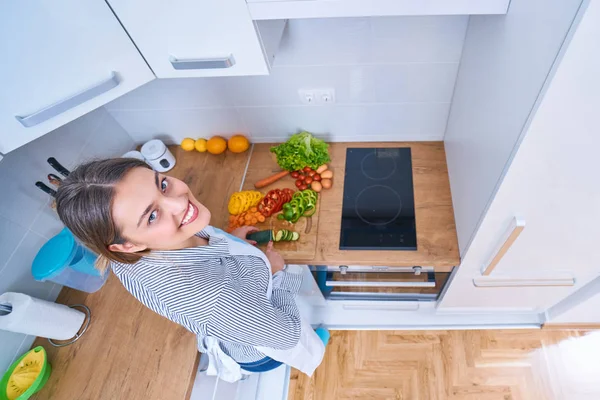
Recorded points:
129,352
437,243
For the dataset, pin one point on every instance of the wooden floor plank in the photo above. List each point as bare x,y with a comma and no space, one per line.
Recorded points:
457,365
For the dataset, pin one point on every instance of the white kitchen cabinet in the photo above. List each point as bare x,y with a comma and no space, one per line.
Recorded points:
185,38
288,9
550,184
581,309
60,60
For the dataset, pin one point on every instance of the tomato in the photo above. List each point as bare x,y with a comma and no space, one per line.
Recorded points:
317,177
311,173
295,174
308,180
307,169
299,183
303,187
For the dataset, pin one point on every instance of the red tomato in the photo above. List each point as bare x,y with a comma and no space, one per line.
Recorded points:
308,180
302,177
307,169
299,183
317,177
295,174
311,173
303,187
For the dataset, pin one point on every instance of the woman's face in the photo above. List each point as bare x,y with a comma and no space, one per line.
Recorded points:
156,212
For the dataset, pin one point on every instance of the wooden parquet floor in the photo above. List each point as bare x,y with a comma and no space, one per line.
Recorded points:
457,365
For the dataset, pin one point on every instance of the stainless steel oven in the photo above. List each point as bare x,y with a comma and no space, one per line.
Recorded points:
353,282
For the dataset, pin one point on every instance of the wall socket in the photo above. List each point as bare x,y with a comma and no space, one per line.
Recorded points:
321,96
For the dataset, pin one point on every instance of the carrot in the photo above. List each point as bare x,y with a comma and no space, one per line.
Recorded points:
253,209
254,221
271,179
261,218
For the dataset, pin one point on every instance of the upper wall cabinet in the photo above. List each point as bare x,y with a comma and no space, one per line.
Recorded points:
60,60
187,38
288,9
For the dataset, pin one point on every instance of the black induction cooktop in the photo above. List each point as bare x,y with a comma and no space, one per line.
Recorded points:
378,211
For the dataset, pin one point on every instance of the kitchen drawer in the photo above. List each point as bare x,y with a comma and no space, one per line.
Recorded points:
185,38
60,61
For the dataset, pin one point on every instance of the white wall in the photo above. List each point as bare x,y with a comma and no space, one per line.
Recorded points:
552,185
393,76
504,64
27,221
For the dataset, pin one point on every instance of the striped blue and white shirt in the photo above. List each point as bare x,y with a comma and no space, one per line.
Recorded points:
214,293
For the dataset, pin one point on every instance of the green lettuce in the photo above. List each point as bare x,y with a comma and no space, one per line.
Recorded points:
301,150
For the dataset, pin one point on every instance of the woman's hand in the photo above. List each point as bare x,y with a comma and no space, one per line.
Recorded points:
277,262
243,232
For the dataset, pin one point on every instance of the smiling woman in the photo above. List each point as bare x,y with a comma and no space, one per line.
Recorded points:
156,212
155,236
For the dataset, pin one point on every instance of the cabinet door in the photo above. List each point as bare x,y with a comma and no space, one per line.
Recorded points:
187,38
60,60
551,185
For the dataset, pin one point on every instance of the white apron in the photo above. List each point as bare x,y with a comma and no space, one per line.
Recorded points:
305,356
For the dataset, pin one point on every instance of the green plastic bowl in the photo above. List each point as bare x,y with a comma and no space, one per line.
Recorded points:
32,356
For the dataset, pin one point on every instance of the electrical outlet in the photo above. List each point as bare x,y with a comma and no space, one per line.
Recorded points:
325,96
317,96
307,96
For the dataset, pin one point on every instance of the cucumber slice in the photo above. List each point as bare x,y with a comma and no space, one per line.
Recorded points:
279,236
289,235
295,236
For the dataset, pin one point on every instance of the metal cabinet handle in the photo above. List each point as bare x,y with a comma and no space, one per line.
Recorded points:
203,63
512,233
71,102
427,284
531,281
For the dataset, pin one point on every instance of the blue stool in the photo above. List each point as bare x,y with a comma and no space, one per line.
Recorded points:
64,261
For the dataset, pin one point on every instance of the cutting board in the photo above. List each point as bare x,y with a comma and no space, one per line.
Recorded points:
262,165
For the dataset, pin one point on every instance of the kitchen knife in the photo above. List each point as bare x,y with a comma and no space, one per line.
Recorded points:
46,189
54,180
58,166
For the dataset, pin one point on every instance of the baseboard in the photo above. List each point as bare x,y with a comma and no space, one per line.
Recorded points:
479,311
571,326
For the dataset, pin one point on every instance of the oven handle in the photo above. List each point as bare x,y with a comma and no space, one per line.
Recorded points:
427,284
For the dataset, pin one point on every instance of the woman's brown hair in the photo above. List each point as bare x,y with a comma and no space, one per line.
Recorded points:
84,204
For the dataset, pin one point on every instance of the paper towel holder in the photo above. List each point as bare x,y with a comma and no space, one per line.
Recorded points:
82,330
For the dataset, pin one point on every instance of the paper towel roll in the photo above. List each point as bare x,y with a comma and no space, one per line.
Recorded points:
37,317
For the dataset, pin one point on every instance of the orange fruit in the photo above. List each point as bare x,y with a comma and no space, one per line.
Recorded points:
238,144
216,145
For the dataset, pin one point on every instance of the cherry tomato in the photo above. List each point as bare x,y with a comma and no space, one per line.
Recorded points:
311,173
317,177
308,180
302,177
303,187
295,174
299,183
307,169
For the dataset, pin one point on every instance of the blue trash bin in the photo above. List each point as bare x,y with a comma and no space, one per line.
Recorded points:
64,261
